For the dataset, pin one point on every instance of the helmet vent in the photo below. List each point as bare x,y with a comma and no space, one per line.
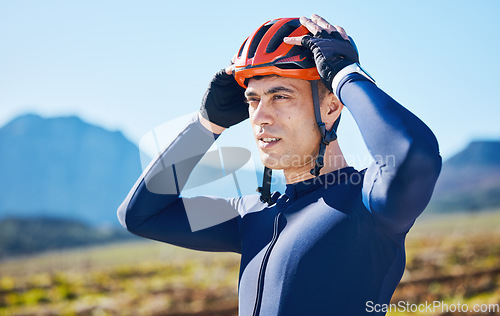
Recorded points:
284,31
256,40
241,48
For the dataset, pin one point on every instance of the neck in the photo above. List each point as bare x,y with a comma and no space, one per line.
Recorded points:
333,159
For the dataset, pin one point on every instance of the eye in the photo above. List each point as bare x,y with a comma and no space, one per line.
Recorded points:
253,102
278,97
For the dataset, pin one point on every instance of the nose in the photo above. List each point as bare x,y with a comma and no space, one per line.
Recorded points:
261,114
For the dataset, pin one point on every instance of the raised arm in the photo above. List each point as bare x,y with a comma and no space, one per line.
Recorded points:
154,209
399,184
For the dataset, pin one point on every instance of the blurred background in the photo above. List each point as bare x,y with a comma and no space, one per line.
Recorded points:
83,84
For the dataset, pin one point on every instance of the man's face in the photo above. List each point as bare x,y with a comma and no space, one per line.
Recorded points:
282,117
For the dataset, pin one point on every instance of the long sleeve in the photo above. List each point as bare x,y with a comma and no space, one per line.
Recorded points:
154,209
399,183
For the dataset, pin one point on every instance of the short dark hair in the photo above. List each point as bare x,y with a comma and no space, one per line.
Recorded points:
323,91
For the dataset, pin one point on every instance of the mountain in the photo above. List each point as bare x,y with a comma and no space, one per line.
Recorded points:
470,180
64,167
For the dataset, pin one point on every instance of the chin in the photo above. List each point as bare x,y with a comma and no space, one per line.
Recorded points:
282,162
271,161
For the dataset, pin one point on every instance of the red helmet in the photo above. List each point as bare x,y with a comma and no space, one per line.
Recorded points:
265,53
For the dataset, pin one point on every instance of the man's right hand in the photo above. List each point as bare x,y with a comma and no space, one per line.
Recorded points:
224,102
331,47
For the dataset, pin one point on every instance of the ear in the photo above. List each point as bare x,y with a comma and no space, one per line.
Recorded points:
330,110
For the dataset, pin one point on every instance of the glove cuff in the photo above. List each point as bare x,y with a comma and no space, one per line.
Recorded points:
347,70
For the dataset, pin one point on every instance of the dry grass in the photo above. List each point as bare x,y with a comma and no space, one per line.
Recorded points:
450,258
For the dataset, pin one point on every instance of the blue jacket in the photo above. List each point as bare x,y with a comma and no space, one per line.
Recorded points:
332,245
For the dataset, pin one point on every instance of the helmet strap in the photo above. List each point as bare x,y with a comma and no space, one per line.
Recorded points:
326,136
265,189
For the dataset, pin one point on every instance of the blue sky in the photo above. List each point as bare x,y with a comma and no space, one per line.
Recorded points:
134,65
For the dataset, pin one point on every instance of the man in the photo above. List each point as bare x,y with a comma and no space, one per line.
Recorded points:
333,243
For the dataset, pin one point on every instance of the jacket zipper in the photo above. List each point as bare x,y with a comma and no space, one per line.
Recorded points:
260,284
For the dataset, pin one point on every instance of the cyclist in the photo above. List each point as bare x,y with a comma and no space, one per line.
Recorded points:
334,241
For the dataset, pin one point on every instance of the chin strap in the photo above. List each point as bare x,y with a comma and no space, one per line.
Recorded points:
326,136
265,189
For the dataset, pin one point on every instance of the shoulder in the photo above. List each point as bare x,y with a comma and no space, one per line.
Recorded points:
248,204
343,190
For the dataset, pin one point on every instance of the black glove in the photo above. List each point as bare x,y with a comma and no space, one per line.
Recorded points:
224,102
331,53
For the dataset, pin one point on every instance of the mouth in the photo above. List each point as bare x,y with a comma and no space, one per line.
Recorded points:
266,142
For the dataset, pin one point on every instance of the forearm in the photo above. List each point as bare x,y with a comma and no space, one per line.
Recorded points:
399,184
214,128
160,184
